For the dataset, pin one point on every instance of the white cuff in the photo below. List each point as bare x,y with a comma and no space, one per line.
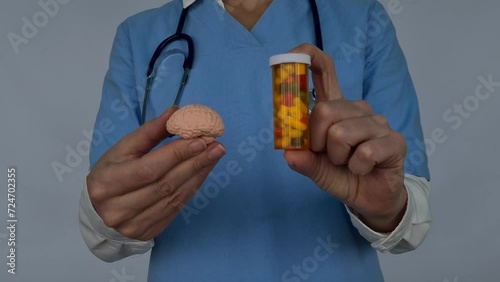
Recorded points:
414,225
104,242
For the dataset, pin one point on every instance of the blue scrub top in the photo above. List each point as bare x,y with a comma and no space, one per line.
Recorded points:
254,219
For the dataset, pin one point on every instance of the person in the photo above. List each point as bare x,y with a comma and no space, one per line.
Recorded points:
236,209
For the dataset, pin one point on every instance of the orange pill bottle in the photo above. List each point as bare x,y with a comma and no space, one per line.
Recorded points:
291,100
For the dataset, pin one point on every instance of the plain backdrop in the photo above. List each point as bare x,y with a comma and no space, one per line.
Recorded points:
51,87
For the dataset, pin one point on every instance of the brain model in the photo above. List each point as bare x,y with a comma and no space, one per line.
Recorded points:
194,121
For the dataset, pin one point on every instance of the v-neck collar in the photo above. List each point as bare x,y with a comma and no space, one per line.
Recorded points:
217,18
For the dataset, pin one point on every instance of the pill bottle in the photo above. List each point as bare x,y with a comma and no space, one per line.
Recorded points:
290,74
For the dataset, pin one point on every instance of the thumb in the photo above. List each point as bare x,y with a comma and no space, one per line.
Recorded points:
304,162
324,76
146,137
316,166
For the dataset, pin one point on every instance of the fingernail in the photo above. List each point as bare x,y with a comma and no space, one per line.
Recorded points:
216,152
197,146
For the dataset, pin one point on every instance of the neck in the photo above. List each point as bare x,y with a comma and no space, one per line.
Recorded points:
246,12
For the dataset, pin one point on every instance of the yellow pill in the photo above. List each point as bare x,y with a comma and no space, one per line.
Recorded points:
283,75
294,133
303,108
285,142
290,68
301,69
296,113
282,115
282,142
296,124
277,100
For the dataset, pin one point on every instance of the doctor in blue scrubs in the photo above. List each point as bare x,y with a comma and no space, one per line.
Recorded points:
236,209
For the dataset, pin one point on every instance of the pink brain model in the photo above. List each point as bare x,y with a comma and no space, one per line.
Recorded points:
194,121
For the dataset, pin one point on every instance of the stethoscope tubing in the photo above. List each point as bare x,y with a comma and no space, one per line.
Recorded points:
188,60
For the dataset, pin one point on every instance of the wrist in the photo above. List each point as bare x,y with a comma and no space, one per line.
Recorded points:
387,222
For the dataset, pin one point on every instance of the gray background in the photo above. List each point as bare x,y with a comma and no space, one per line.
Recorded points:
51,88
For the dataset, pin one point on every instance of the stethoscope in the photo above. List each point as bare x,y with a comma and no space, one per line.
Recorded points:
188,60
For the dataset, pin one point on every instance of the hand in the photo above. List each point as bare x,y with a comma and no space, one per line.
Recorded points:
354,155
138,192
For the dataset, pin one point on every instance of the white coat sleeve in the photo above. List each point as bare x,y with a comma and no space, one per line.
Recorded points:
104,242
414,225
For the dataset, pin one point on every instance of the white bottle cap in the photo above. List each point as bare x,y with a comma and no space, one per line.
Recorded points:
290,58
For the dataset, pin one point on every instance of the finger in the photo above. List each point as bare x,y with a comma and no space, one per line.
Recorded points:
327,113
344,136
386,153
143,139
139,226
154,219
194,170
157,164
158,228
324,76
128,176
